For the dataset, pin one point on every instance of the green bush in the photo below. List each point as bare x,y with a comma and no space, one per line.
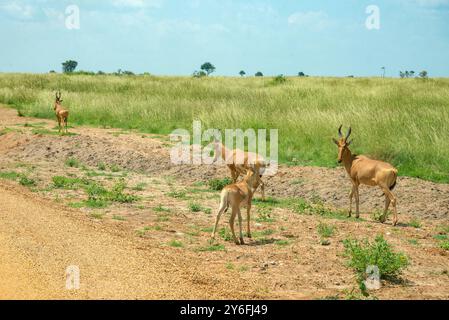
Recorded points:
27,182
72,162
219,184
378,253
325,230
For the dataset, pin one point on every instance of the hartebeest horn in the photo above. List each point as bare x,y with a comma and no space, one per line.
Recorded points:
339,132
349,133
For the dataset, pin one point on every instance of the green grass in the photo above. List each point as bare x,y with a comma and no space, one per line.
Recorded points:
27,182
176,244
325,230
161,208
415,223
219,184
60,182
411,114
213,247
72,163
9,175
118,217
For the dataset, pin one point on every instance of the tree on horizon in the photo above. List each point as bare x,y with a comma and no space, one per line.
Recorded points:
69,66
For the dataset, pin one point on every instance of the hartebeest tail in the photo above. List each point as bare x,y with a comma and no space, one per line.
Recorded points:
363,170
235,196
61,114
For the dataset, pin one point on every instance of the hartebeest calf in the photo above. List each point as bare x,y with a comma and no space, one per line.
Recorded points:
237,195
363,170
61,114
239,162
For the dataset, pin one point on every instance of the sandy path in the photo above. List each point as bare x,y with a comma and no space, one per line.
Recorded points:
38,242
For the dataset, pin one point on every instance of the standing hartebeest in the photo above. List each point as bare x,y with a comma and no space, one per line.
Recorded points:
237,195
239,162
363,170
61,114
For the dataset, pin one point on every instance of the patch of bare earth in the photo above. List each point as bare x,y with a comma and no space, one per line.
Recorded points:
157,245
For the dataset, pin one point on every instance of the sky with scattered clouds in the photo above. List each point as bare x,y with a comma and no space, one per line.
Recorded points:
173,37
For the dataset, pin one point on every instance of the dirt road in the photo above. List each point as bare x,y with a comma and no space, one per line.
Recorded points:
39,240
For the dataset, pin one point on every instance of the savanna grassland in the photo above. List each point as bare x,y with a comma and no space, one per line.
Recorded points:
404,121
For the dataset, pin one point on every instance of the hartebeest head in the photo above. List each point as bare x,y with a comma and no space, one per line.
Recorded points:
58,100
343,143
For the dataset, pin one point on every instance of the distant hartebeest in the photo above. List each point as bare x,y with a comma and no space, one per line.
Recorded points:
363,170
239,162
61,114
234,196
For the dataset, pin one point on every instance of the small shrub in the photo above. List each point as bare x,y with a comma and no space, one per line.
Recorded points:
67,182
195,207
445,245
282,243
27,182
415,223
160,208
176,244
213,247
325,230
115,168
177,194
219,184
117,195
378,253
101,166
9,175
72,163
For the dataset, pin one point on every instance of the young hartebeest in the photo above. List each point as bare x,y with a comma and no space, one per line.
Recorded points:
235,196
61,114
241,162
363,170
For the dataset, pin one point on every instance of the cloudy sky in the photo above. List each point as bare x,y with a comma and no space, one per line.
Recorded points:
173,37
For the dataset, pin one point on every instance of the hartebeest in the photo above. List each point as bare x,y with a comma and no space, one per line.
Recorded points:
363,170
239,162
237,195
61,114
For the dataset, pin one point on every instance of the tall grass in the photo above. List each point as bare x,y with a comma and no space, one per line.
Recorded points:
404,121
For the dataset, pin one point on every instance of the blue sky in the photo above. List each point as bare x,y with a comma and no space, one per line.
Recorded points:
173,37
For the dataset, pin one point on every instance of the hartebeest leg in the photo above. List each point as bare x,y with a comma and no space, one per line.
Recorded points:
241,227
392,198
357,202
235,210
248,218
387,205
59,125
351,196
222,210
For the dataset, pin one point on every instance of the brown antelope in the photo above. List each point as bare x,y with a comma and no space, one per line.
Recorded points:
363,170
235,196
250,160
61,114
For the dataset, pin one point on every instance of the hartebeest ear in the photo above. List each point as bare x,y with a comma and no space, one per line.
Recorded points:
348,143
335,141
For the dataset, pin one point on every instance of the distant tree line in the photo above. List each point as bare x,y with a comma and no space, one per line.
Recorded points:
410,74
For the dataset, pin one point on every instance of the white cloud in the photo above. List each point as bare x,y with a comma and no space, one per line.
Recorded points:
18,10
138,3
317,20
432,3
